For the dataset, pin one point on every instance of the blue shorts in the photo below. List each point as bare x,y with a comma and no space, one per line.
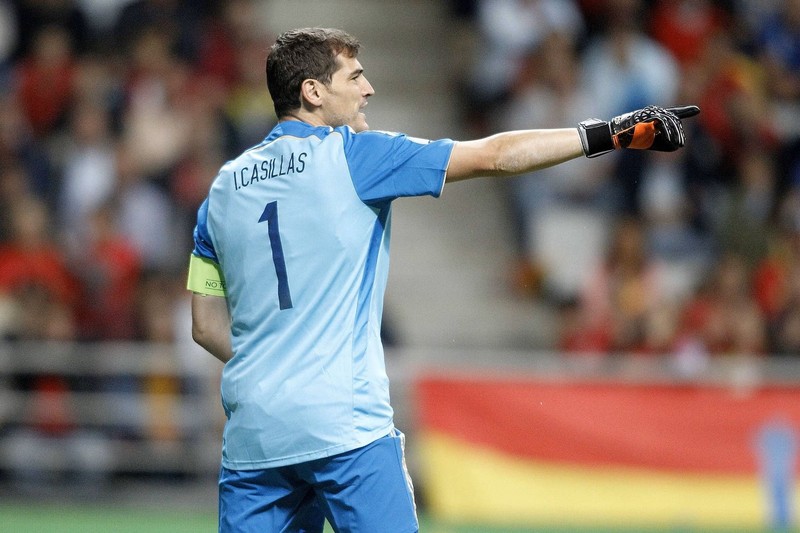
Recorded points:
367,489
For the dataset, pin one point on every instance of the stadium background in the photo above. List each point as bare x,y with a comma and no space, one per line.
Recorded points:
521,412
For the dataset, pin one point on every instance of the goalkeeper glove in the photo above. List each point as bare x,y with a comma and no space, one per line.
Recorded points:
651,128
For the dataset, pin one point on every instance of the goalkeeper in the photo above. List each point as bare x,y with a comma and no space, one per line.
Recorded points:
288,276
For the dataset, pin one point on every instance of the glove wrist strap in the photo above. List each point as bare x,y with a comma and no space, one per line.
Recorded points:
596,137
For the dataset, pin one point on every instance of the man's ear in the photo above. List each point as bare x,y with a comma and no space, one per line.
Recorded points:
311,92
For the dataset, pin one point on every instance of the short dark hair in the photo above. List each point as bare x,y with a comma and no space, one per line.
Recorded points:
302,54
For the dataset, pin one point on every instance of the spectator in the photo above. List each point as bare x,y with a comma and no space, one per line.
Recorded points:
89,177
99,82
736,113
785,330
724,317
546,95
575,339
178,20
624,288
772,275
146,216
248,106
35,276
508,30
19,149
778,51
45,80
14,187
156,123
211,139
33,16
625,69
659,336
685,26
776,278
666,212
161,384
236,24
101,15
624,66
110,269
747,206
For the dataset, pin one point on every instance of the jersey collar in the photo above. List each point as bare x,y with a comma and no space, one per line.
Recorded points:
297,128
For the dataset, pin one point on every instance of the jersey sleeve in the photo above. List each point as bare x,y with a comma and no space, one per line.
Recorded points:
203,247
385,166
205,275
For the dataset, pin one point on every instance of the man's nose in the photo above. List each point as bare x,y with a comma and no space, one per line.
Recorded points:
368,90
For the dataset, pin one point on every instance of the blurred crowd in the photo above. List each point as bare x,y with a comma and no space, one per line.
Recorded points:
694,253
115,116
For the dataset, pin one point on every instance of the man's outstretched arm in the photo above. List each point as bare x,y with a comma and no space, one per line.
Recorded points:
516,152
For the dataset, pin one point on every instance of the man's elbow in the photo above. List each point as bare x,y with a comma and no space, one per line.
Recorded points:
197,335
200,334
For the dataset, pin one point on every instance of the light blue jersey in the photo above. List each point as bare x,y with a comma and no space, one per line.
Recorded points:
300,227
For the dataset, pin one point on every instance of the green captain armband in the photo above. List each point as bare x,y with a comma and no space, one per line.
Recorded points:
205,277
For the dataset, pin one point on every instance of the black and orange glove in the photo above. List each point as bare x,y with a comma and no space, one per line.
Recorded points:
651,128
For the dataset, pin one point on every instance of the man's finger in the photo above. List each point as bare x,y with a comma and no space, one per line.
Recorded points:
685,111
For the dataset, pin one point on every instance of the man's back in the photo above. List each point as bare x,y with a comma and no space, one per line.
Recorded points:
299,226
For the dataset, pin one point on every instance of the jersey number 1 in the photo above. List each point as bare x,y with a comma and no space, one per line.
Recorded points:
270,216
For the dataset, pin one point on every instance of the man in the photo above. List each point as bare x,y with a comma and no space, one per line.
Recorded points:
289,270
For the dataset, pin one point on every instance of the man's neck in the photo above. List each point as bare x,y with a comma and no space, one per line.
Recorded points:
303,116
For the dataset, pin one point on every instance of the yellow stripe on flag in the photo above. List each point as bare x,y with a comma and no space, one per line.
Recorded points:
466,482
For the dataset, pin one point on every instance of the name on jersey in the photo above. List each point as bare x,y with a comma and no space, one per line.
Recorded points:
268,169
